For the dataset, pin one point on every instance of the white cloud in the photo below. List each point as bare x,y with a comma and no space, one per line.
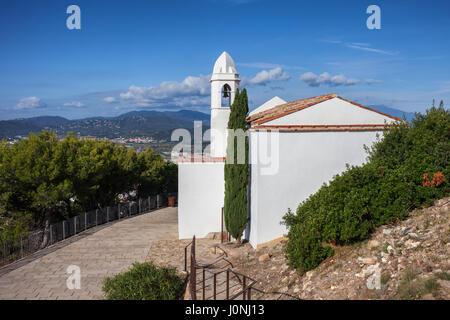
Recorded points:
74,104
266,76
325,78
372,81
191,90
366,47
29,103
109,100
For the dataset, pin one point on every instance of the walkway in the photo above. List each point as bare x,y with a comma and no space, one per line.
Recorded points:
104,253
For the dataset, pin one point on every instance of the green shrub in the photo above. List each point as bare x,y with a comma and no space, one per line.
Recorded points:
145,281
382,191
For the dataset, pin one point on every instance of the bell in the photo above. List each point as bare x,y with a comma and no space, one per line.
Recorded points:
225,93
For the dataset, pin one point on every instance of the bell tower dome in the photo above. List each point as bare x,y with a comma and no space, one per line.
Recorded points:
224,83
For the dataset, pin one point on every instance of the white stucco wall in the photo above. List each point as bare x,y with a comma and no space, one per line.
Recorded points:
306,161
219,124
201,190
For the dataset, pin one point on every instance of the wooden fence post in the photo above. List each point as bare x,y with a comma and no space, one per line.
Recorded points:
193,273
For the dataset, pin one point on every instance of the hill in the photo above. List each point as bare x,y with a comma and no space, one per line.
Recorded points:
409,258
158,124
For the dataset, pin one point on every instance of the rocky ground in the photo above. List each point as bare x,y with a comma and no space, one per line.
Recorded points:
409,260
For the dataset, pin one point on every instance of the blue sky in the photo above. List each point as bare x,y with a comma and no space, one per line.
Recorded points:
157,55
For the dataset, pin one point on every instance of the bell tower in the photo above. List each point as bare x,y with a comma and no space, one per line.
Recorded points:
224,82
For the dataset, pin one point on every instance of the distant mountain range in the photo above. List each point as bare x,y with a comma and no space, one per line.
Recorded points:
157,124
394,112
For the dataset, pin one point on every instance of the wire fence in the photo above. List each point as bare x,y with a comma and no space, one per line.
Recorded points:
13,250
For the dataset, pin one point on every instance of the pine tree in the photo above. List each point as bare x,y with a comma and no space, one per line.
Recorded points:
236,175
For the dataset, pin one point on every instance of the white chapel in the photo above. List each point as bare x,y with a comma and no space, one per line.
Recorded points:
295,147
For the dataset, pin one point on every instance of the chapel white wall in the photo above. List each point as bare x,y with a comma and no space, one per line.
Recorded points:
201,190
306,161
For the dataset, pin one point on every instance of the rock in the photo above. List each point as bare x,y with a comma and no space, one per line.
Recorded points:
410,244
387,232
368,260
264,257
405,231
306,285
437,271
444,284
390,249
428,296
372,244
296,290
212,235
309,274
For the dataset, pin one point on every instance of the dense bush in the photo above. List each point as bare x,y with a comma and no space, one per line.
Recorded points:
145,281
407,168
44,180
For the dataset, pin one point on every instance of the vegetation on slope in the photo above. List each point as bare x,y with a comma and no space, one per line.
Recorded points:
406,169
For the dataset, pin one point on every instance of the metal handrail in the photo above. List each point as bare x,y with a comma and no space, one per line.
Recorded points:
185,255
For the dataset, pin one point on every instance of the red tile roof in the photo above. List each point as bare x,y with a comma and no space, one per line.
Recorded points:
294,106
306,128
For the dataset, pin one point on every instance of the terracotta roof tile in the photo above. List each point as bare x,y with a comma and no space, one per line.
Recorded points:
309,128
199,158
284,109
290,107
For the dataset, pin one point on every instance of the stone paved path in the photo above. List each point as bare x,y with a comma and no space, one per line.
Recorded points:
104,253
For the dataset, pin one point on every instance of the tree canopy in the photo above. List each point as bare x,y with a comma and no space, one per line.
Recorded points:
43,179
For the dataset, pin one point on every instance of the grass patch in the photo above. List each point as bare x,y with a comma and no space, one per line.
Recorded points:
443,276
145,281
385,277
412,287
